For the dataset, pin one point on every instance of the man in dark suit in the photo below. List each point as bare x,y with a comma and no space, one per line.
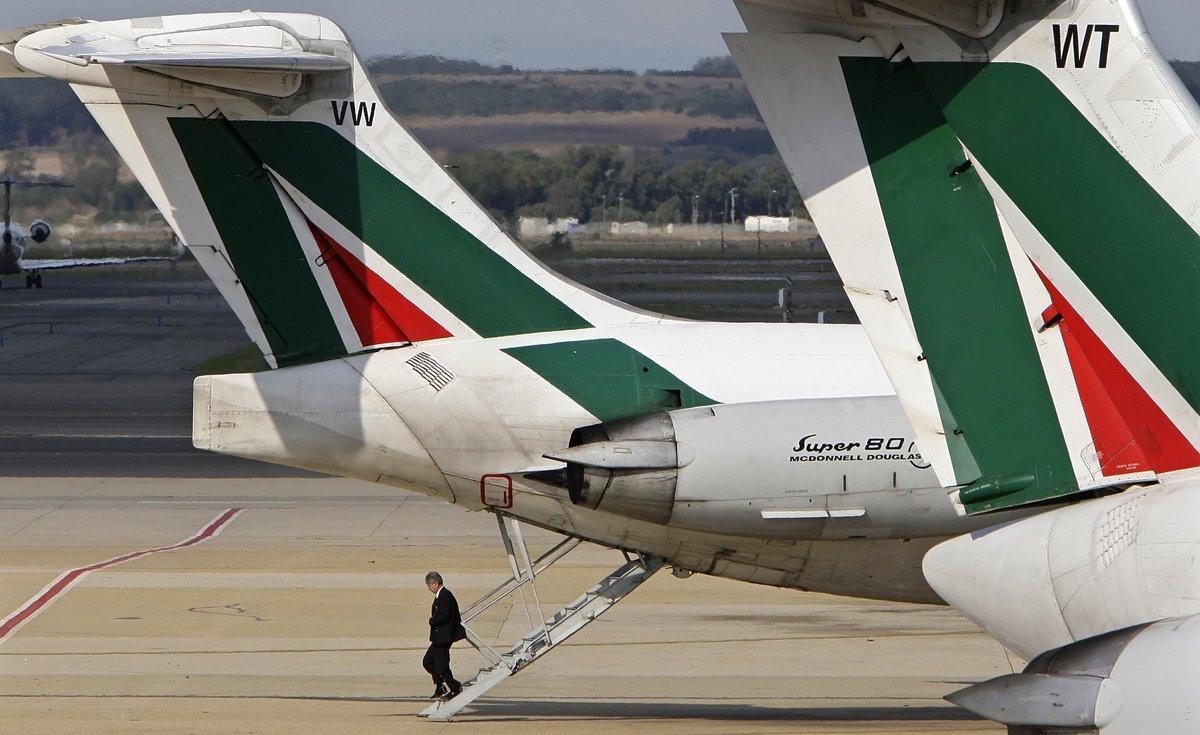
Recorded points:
445,627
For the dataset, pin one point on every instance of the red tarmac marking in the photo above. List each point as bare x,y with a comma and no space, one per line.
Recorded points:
69,578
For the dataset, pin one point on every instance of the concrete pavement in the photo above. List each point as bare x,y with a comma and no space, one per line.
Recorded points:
307,613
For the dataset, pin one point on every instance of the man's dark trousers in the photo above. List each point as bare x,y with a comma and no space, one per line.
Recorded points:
437,663
445,627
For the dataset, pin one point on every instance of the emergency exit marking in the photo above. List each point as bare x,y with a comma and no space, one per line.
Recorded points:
496,491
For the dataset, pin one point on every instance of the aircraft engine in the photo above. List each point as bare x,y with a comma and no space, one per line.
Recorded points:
39,231
1079,571
822,468
1137,680
627,467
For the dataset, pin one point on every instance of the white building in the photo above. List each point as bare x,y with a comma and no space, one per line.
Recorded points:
532,227
630,228
762,223
566,225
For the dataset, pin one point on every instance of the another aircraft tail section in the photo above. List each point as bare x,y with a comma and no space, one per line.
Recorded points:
325,225
1013,209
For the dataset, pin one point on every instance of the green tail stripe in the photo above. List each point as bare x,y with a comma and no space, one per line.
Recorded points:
963,295
260,242
609,378
960,454
479,286
1131,249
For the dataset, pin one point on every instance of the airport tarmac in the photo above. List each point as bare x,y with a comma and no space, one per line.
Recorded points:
96,373
306,612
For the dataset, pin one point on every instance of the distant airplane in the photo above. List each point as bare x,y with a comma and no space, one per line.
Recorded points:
15,238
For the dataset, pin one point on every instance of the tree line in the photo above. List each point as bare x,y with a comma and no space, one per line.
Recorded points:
602,183
403,64
444,96
593,183
101,186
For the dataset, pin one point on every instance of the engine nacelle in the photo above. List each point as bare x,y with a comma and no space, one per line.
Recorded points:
822,468
1077,572
39,231
1138,680
628,467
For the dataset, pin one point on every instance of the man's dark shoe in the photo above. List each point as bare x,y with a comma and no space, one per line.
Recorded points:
439,692
455,690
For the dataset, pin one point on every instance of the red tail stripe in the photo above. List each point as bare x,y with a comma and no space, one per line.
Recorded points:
1131,431
380,314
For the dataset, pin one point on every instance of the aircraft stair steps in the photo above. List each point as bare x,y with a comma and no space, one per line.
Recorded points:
552,632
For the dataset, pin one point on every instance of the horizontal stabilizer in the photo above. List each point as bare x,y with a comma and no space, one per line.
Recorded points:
9,38
249,59
228,44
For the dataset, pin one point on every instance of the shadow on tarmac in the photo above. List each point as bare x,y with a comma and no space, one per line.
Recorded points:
507,710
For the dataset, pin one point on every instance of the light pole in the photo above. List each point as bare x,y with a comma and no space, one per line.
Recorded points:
733,204
695,212
604,197
620,207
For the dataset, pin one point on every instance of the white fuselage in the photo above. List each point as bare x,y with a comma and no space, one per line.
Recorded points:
804,475
12,249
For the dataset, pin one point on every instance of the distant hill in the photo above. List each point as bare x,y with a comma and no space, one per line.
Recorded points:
41,112
406,64
702,112
662,137
455,105
436,86
709,66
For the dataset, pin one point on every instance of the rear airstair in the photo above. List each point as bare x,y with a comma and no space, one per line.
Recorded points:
545,634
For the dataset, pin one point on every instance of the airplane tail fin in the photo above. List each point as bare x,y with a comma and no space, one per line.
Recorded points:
325,225
1014,211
